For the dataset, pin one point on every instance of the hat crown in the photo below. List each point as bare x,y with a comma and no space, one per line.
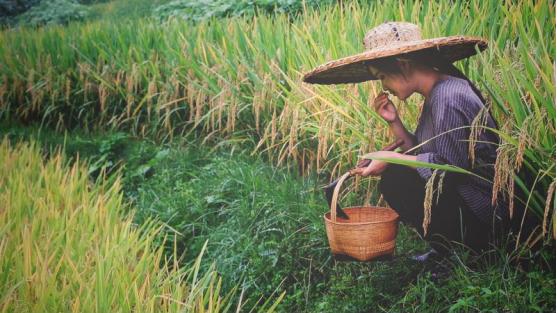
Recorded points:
389,33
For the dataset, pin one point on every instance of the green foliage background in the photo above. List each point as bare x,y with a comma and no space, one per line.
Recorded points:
61,12
131,73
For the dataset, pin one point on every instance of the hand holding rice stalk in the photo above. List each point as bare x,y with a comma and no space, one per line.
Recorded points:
380,160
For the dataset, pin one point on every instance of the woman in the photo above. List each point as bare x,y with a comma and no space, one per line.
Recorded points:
406,64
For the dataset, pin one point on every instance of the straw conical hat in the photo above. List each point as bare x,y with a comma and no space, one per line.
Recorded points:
387,40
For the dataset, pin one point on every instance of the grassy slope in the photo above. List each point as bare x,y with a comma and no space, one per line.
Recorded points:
66,245
265,230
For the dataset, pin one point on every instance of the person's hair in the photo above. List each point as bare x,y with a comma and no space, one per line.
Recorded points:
428,58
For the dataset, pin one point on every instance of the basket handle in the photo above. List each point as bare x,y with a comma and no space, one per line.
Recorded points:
346,175
335,195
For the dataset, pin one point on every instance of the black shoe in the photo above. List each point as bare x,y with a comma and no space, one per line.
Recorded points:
434,263
430,255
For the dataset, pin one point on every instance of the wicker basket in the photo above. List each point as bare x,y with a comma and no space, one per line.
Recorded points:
369,232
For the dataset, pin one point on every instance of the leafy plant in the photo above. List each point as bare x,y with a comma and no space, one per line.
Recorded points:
9,9
53,12
203,10
108,156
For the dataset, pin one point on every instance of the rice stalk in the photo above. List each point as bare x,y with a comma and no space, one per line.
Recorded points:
3,90
524,141
257,106
151,93
103,95
31,90
504,166
274,127
510,194
293,134
476,129
430,192
231,116
546,211
67,90
199,103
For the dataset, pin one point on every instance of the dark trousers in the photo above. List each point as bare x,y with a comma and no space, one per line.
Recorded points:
451,220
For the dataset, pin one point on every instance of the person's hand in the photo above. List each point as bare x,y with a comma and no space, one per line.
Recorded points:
363,163
385,108
375,167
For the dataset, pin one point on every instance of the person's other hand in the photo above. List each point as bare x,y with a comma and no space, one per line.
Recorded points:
385,108
375,168
363,163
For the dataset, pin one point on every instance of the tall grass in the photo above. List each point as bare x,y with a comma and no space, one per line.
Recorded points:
64,246
241,79
264,229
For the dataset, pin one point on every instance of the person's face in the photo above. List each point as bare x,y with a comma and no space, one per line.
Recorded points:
396,84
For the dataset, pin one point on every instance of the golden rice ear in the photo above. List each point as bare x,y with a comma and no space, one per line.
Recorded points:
546,210
504,166
429,193
476,129
427,202
524,141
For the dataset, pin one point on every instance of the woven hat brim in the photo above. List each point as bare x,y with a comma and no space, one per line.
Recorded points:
352,69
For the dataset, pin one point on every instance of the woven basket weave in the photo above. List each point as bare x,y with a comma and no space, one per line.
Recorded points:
369,232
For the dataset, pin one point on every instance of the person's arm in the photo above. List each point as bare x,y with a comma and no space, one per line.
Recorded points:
450,120
377,166
399,131
386,109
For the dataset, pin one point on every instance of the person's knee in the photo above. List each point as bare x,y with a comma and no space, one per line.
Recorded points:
391,175
384,184
395,175
388,180
399,177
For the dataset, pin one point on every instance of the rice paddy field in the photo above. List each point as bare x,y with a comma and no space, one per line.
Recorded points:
169,164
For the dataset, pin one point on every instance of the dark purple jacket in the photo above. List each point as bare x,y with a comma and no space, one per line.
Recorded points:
452,104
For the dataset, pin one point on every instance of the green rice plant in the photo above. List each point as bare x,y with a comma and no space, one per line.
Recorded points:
240,79
66,246
264,228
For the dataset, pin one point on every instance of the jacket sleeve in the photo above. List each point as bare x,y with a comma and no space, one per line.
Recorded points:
452,116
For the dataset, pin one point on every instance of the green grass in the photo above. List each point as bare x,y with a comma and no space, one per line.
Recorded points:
494,287
265,231
67,246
